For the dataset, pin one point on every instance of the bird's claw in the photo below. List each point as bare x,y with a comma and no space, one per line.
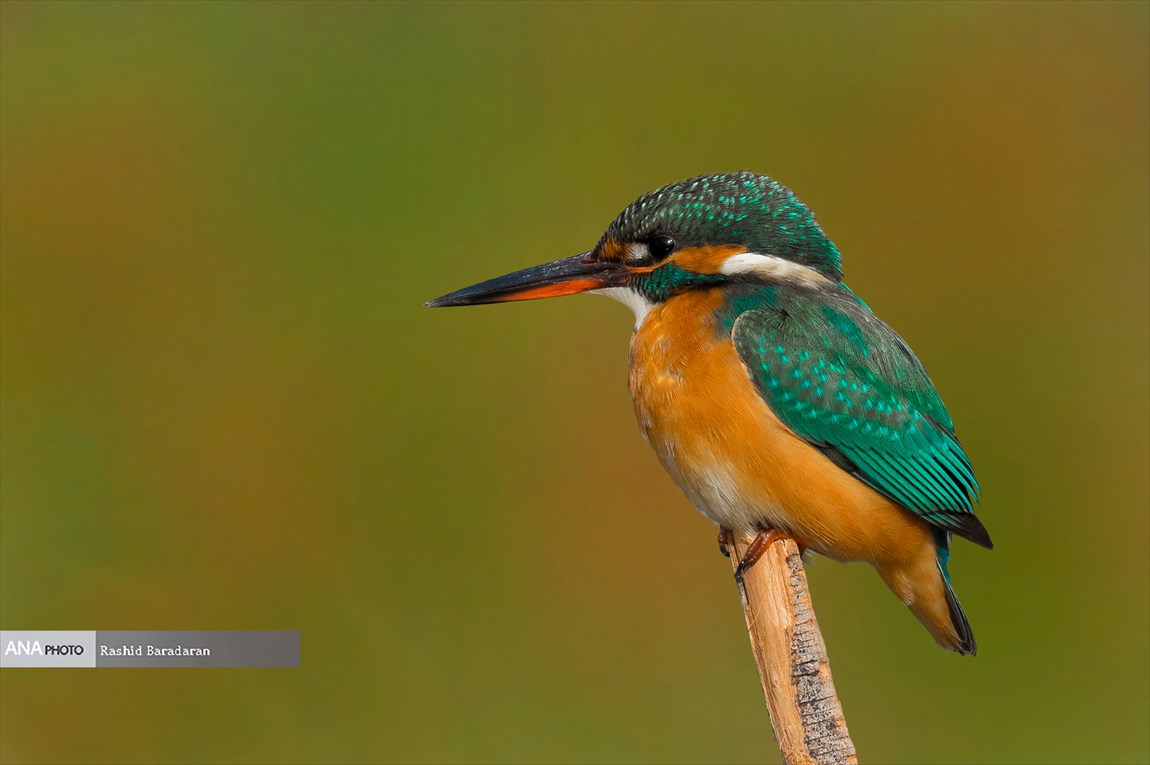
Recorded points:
755,550
725,541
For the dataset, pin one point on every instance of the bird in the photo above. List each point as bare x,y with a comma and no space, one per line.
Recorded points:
777,401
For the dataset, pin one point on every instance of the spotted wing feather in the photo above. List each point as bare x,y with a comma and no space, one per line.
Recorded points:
847,383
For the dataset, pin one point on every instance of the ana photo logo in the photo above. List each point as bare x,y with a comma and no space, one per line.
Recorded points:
36,648
149,648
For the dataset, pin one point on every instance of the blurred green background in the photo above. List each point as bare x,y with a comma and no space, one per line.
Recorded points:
225,406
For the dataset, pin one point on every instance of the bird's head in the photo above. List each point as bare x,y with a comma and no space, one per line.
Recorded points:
698,233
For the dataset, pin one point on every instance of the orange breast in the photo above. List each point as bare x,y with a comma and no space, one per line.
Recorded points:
736,461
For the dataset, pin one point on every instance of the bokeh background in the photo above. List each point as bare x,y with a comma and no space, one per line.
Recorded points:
225,406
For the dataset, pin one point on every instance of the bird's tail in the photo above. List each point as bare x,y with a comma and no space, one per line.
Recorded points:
965,644
923,584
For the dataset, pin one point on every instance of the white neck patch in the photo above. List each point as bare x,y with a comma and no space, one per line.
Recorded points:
638,304
772,267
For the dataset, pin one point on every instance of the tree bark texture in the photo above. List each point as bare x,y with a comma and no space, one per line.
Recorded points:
792,658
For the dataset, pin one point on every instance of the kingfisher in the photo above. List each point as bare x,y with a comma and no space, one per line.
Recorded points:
775,398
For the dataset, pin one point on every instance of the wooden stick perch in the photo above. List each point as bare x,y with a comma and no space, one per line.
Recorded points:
792,658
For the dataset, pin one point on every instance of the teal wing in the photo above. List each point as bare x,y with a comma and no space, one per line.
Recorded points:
847,383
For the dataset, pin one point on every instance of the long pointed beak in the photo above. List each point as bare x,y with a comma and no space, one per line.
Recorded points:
563,277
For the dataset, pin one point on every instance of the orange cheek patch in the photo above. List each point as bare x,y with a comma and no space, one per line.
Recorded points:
705,260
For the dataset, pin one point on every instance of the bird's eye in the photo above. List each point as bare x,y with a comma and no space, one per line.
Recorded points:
660,246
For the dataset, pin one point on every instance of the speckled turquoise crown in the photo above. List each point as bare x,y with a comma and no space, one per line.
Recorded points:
733,208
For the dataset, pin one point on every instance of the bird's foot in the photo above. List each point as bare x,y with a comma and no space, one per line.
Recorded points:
725,541
755,550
